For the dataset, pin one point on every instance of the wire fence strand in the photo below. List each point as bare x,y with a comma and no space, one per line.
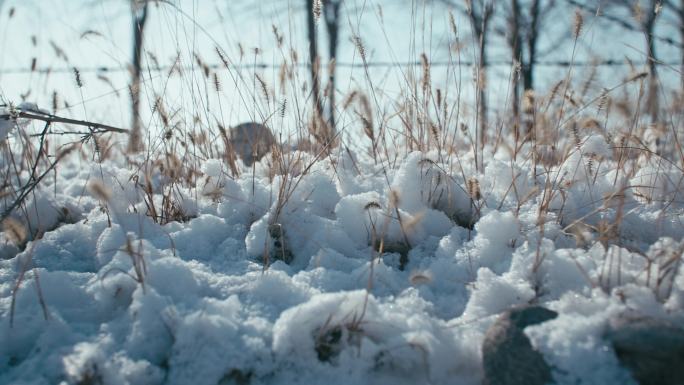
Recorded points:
383,64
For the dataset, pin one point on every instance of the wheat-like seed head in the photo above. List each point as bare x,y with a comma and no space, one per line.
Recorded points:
14,231
283,108
528,102
554,90
175,67
603,101
282,77
278,36
579,21
77,76
59,52
99,190
452,24
394,199
317,10
413,221
366,118
360,47
637,76
204,66
55,102
163,115
222,57
474,189
426,72
217,82
570,98
349,99
576,134
435,131
264,88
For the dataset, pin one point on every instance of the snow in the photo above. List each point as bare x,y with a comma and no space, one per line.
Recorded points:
8,117
204,308
7,124
212,168
660,182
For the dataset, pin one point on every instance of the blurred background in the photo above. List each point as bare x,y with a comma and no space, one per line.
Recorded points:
209,63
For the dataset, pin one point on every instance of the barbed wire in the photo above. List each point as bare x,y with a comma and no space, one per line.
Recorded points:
384,64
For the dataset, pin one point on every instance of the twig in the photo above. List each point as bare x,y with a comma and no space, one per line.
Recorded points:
58,119
29,186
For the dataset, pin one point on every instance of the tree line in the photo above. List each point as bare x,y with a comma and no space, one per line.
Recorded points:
520,23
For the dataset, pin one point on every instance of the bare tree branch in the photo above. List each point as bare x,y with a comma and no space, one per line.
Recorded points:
622,23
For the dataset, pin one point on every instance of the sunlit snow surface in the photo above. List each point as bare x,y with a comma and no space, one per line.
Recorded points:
209,313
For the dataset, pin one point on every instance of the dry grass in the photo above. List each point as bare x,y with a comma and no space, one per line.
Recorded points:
423,116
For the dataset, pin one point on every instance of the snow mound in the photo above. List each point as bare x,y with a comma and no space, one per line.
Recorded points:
340,272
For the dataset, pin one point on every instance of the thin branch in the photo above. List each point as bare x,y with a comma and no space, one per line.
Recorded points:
622,23
100,128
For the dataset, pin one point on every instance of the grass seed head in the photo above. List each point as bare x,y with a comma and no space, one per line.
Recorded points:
14,231
317,10
99,190
579,22
474,189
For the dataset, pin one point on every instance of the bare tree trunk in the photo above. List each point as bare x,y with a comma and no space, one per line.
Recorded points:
680,12
528,65
528,68
482,101
139,19
482,87
332,22
648,27
314,60
517,59
480,24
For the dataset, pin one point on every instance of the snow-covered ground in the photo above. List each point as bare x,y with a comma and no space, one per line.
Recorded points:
131,301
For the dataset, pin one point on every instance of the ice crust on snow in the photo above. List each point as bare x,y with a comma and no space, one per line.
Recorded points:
208,312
